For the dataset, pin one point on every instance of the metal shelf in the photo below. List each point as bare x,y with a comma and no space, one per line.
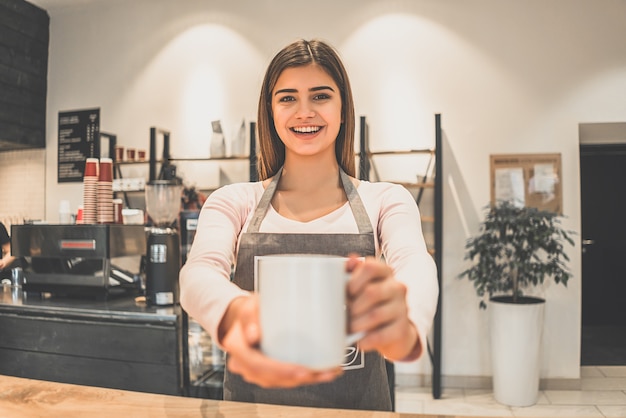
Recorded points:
166,158
399,152
230,158
365,165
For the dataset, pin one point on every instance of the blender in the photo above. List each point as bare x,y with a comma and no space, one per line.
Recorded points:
163,244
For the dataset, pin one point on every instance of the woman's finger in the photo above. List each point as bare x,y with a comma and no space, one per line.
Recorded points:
367,315
263,371
364,272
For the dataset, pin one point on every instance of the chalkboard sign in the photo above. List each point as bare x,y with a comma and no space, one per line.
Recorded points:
78,140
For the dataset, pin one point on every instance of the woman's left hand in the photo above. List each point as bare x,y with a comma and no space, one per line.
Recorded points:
377,306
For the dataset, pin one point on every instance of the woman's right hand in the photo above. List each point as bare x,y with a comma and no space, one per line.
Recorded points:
241,336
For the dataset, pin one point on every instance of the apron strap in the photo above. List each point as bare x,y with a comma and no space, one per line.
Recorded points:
264,203
356,204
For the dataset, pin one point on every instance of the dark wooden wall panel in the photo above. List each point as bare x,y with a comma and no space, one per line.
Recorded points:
24,39
95,350
115,374
146,343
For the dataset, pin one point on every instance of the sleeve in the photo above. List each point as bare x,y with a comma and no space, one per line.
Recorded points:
404,249
205,286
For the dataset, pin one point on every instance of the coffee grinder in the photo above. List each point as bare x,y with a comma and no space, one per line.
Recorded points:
163,259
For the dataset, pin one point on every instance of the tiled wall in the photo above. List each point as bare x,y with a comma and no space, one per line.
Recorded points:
22,185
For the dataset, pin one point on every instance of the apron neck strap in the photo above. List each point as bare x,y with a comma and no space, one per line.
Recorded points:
356,204
264,203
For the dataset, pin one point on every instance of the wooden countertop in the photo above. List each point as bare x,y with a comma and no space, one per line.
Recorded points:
35,398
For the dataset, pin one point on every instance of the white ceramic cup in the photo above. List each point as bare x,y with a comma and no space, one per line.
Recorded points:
302,299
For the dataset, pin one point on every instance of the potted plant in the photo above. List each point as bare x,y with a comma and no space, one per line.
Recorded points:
516,250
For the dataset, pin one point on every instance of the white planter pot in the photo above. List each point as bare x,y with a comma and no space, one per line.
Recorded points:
516,331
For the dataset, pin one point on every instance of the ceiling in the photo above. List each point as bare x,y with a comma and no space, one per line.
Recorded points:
58,4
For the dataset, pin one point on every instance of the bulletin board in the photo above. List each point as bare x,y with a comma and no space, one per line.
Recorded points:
532,180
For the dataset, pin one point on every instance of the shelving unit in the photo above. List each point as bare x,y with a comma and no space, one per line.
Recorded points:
166,157
161,162
426,181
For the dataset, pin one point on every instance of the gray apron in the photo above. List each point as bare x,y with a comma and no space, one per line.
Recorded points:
364,384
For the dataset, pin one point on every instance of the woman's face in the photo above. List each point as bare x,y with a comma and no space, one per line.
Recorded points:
306,105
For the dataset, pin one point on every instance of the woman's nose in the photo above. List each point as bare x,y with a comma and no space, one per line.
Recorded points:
305,110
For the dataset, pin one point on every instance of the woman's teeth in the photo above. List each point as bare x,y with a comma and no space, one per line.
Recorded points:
306,129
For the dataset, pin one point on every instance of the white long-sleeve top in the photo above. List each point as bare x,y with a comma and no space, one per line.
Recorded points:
206,289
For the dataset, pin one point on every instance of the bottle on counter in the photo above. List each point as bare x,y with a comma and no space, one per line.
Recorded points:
65,214
17,283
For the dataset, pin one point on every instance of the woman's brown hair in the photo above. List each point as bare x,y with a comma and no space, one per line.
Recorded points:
271,154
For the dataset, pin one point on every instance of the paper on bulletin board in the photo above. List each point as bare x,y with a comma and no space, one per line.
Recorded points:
510,186
544,181
527,180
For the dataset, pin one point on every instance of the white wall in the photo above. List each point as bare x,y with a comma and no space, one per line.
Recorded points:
508,77
22,186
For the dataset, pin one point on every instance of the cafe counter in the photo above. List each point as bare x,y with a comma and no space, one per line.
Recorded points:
32,398
117,343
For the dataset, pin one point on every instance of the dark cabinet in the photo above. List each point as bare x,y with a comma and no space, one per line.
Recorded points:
114,344
24,38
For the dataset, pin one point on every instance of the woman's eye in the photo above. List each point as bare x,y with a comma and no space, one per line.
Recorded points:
287,99
321,96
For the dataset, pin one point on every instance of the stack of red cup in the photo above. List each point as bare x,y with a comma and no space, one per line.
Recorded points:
105,191
90,191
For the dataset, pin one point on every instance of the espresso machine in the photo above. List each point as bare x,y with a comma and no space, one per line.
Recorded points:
80,260
163,259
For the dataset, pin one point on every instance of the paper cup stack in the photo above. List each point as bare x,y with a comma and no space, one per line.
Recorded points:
105,192
90,191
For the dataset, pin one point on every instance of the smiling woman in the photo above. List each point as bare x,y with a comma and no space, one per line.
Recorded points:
331,88
308,202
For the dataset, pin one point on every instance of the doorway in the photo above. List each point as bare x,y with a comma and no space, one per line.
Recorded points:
603,217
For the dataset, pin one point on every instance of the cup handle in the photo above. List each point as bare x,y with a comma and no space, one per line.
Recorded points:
353,338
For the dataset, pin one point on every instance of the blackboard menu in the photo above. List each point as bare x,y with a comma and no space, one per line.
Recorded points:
78,140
